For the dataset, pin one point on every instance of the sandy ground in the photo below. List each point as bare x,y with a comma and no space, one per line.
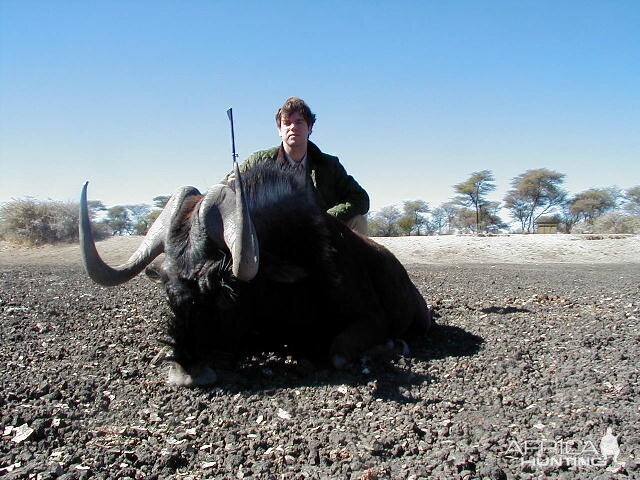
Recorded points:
446,249
530,249
520,353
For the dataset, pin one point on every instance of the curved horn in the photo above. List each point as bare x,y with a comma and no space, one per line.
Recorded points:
225,216
150,248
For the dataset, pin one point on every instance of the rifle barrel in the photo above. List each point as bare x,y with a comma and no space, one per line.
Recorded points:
234,155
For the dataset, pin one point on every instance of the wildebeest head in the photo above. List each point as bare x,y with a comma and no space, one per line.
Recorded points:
212,254
221,216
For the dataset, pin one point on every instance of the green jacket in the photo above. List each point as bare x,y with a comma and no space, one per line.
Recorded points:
336,191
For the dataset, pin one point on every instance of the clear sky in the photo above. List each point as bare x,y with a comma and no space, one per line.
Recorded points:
412,96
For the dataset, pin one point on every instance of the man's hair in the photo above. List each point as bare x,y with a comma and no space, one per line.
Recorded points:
295,104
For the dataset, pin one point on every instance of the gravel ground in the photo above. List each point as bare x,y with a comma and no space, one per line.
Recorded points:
527,367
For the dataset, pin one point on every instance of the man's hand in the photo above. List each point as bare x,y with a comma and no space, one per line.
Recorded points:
230,180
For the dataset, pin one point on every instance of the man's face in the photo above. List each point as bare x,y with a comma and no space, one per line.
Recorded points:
294,130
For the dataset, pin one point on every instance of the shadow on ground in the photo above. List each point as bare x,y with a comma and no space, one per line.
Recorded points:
389,376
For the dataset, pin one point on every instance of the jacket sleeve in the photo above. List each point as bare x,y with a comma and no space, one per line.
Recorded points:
353,199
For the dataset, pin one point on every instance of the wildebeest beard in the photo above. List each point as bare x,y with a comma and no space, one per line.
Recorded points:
297,301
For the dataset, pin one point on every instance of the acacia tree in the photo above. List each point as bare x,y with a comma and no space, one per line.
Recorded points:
94,207
567,217
632,200
451,211
160,201
118,220
466,218
534,193
518,207
439,220
384,223
592,203
491,222
472,193
140,218
412,220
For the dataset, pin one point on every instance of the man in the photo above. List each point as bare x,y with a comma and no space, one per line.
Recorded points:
336,191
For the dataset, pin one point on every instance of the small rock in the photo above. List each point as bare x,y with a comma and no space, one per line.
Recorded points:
498,474
284,414
23,432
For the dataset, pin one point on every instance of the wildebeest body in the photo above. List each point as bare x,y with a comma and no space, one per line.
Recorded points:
321,289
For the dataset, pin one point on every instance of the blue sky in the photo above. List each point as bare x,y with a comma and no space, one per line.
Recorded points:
412,96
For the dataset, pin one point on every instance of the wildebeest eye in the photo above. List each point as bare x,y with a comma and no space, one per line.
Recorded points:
155,273
226,295
216,279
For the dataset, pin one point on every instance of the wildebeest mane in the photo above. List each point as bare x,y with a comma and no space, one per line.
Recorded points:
297,259
297,268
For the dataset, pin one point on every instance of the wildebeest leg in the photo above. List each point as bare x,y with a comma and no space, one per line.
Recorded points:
374,336
355,340
423,316
392,345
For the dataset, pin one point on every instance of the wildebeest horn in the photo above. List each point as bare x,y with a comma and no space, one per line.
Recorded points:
150,248
225,216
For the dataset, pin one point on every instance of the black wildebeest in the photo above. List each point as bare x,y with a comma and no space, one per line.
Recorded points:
256,265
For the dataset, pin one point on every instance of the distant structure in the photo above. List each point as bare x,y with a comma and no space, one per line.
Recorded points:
547,225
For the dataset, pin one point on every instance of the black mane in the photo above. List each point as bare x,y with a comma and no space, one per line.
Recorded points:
297,267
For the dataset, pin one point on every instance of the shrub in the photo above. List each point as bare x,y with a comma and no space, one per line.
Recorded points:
616,222
36,222
613,222
582,228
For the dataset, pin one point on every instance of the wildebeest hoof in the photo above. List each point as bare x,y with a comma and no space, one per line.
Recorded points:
339,362
197,376
381,349
401,346
390,347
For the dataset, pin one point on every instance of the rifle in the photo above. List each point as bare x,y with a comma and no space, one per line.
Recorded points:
234,155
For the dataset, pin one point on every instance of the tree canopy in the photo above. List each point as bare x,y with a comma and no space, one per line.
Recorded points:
533,194
412,221
118,220
160,201
472,193
592,203
632,200
384,223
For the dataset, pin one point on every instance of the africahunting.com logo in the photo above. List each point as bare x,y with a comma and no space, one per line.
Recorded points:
541,453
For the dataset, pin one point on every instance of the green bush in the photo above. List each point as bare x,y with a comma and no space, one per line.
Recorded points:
36,222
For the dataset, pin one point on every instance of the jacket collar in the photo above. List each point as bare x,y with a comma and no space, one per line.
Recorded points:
314,156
